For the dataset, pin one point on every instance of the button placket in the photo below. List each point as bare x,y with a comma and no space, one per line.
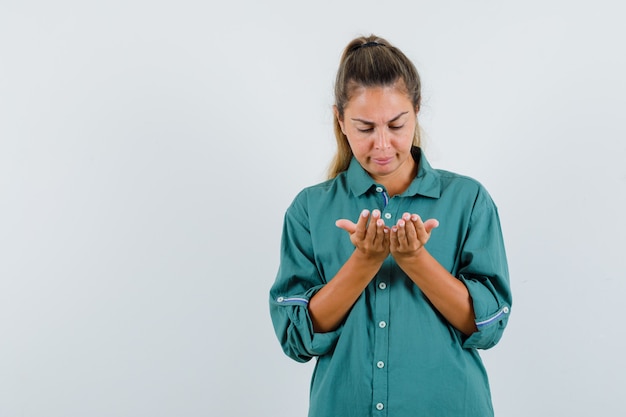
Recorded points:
381,339
383,194
390,211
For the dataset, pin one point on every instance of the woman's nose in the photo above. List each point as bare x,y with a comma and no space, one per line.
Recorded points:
382,140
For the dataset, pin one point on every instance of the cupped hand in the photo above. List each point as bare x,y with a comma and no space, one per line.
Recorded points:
369,234
409,235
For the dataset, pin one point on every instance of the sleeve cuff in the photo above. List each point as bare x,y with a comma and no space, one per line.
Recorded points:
491,314
301,342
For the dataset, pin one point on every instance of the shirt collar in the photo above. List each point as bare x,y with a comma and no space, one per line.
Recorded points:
426,183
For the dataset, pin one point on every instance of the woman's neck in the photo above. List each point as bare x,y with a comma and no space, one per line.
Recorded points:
398,182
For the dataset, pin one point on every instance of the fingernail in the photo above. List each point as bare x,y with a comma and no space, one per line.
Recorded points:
380,223
365,213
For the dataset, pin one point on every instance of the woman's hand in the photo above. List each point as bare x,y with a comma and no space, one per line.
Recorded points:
371,239
409,236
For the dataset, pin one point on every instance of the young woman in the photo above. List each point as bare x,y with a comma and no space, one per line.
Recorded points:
393,306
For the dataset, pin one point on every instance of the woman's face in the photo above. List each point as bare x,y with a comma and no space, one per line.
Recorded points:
379,123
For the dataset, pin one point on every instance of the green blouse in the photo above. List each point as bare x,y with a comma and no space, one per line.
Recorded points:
394,355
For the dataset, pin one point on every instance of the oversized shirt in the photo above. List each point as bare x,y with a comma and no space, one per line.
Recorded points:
394,354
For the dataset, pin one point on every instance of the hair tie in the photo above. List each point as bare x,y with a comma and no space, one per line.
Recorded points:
365,45
371,43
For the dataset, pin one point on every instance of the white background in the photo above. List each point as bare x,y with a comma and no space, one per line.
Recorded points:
148,150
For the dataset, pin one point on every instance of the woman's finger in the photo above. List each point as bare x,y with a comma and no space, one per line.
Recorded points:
361,225
347,225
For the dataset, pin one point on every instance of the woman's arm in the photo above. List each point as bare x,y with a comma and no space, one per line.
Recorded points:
447,294
330,306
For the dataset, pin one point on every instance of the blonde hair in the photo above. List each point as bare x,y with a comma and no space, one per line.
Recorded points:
370,62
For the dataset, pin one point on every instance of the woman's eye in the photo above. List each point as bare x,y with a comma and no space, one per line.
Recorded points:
396,127
365,129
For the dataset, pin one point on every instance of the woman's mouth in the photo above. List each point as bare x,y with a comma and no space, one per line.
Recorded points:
382,161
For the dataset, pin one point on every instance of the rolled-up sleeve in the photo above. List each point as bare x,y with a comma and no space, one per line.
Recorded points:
485,273
297,280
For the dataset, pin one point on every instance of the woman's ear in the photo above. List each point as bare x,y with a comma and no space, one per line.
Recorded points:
339,119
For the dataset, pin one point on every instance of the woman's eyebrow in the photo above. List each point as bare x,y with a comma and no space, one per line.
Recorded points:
367,122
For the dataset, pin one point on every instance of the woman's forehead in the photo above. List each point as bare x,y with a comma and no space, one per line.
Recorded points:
375,102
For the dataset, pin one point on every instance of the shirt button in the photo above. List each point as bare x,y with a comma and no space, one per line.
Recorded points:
380,364
380,406
379,189
382,285
382,324
280,299
505,310
387,216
